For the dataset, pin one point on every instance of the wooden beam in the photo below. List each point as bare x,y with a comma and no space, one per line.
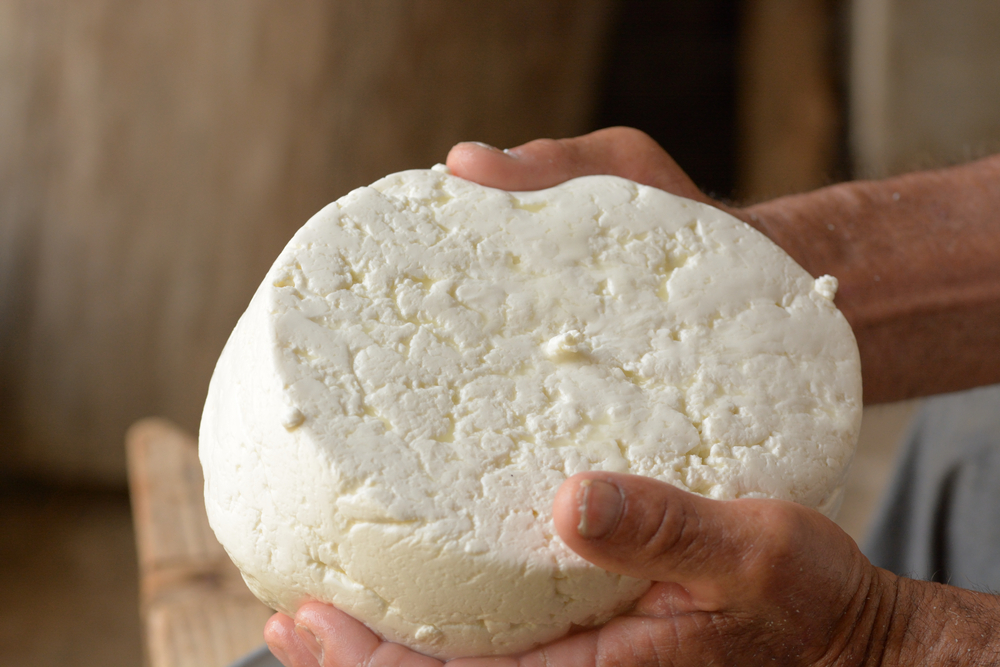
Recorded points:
196,610
788,108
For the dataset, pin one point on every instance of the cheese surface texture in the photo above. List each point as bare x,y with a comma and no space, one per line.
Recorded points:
429,359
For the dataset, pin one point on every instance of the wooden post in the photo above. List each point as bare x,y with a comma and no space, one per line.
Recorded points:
788,104
196,610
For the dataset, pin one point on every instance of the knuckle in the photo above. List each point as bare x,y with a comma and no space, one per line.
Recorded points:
638,143
549,147
631,134
779,543
782,527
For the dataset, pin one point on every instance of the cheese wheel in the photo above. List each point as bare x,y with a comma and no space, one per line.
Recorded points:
429,359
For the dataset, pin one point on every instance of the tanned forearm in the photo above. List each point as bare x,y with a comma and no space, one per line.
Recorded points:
918,260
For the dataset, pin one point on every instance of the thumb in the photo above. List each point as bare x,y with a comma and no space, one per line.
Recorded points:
648,529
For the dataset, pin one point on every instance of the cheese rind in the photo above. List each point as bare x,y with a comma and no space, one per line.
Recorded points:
428,359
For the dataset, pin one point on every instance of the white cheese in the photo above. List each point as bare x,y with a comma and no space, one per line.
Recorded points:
428,359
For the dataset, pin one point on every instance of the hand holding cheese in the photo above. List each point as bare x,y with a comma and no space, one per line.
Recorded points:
429,359
741,583
750,580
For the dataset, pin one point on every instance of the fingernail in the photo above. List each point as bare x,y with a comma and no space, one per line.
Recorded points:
486,146
309,639
600,507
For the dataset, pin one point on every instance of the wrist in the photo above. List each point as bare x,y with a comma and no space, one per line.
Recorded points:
934,624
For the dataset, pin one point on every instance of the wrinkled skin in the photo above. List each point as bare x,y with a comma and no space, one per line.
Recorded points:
744,582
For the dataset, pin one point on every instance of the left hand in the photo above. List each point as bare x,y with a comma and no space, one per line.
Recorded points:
545,163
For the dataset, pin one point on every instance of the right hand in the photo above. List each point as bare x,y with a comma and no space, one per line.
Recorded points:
741,582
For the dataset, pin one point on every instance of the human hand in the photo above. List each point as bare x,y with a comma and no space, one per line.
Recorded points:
742,582
544,163
739,582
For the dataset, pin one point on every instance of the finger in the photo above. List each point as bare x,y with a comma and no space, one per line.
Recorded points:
648,529
543,163
688,639
578,650
285,644
341,641
625,640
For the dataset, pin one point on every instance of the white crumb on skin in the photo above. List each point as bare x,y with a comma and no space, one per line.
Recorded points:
428,359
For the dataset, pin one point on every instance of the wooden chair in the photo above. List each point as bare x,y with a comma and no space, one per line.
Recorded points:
196,610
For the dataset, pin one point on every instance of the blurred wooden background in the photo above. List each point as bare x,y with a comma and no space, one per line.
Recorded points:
155,157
